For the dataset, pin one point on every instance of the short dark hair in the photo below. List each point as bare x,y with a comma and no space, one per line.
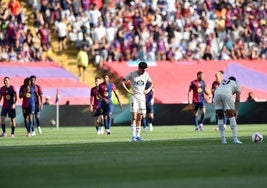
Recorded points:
232,78
199,73
142,65
6,78
33,76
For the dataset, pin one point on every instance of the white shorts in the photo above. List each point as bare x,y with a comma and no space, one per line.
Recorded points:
224,102
138,106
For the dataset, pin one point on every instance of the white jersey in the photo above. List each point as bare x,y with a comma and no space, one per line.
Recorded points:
138,84
228,88
223,95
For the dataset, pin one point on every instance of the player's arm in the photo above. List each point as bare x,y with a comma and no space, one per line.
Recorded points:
153,95
102,97
151,86
117,96
41,102
91,103
188,96
0,95
14,99
40,92
123,83
206,92
38,99
21,94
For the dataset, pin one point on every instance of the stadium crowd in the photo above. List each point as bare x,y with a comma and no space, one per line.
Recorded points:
156,30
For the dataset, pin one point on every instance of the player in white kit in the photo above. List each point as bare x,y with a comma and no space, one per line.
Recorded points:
138,80
226,105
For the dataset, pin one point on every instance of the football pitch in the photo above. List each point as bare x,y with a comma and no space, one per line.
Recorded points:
170,156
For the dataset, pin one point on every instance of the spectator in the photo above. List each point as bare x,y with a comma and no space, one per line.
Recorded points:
82,62
13,56
14,7
54,7
128,27
47,100
44,35
4,57
251,97
62,32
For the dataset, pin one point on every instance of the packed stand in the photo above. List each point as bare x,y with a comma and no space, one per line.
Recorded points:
155,30
17,42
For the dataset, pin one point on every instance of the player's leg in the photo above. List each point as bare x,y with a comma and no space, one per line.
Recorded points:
150,116
37,120
143,122
133,125
31,119
27,118
195,115
133,109
224,122
220,107
220,116
108,117
110,110
202,117
230,113
12,116
24,111
101,123
94,114
30,124
33,125
138,126
3,123
140,113
231,116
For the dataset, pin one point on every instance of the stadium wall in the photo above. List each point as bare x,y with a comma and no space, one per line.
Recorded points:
165,114
172,80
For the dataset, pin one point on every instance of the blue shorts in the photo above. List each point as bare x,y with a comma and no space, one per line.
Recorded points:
27,111
8,112
37,110
107,108
97,112
149,108
199,105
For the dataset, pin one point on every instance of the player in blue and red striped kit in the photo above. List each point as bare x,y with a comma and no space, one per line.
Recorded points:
9,95
95,107
198,87
29,94
105,93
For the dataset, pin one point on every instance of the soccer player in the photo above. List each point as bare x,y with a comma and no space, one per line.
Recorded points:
198,87
225,105
95,107
214,86
38,104
149,108
138,80
9,95
105,93
22,92
29,93
25,95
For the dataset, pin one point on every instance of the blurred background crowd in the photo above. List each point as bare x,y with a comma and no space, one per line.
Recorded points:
123,30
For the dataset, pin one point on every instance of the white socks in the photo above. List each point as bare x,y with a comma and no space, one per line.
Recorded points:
233,127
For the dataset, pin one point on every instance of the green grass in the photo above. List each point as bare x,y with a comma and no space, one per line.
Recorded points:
170,156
